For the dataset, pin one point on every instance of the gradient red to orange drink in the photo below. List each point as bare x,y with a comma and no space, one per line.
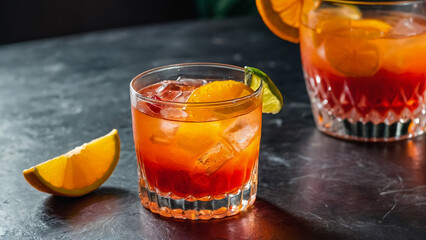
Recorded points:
197,159
195,151
368,68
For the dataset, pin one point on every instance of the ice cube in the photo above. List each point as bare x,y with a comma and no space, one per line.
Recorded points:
172,90
169,128
161,139
165,133
173,113
169,90
407,27
215,157
191,85
183,97
192,82
240,133
155,108
149,90
177,91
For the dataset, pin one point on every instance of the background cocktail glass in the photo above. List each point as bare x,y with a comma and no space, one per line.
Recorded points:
364,64
196,160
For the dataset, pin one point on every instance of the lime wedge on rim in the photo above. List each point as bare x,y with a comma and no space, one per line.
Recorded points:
272,98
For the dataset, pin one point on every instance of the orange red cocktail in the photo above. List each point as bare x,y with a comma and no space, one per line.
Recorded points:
196,159
365,72
364,63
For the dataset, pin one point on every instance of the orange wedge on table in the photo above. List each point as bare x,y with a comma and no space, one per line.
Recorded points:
283,16
78,171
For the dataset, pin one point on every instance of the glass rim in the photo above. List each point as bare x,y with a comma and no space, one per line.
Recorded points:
376,2
193,104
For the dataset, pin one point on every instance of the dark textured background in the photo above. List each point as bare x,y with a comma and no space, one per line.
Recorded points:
59,93
23,20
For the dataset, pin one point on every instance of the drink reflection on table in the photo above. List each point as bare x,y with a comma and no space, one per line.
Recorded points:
262,221
116,211
344,181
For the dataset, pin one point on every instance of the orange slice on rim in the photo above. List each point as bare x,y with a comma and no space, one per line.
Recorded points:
283,16
220,91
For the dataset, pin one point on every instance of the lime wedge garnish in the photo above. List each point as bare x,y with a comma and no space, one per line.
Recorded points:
272,98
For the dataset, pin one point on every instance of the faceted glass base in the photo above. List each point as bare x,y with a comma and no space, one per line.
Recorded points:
208,207
368,131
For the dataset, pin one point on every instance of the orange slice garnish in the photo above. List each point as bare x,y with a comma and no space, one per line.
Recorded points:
283,16
79,171
348,48
220,91
352,56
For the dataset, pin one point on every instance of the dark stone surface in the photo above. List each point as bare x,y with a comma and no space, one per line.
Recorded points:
59,93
